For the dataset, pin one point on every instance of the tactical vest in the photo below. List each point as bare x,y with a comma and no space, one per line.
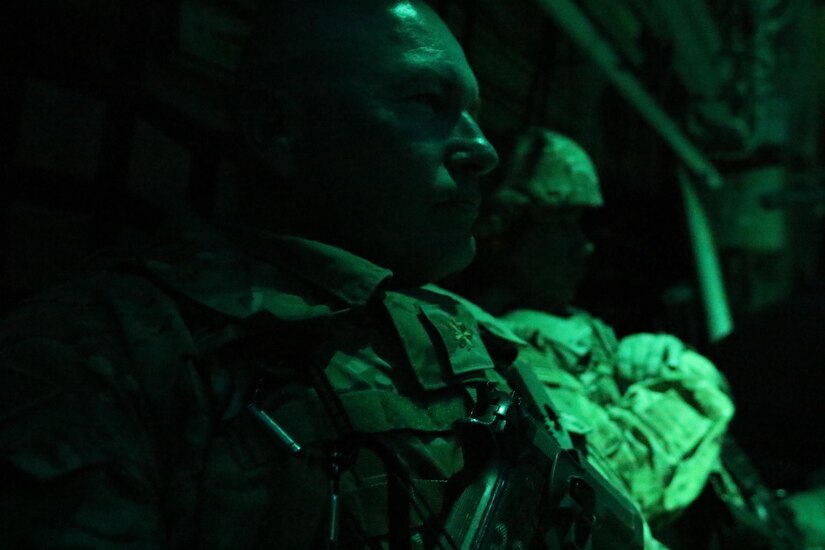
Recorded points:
346,430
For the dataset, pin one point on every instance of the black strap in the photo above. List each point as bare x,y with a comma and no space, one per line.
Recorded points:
348,441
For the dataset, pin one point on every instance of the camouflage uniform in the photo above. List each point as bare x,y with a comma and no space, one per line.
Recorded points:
659,438
123,399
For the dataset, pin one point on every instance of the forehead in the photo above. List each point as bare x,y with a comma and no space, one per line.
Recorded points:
420,33
399,39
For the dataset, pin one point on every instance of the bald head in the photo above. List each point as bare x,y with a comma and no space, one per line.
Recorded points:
365,110
297,41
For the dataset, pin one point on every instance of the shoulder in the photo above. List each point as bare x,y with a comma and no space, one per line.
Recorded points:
94,330
102,309
492,324
106,334
70,385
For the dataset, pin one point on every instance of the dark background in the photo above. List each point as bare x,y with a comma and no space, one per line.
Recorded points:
112,109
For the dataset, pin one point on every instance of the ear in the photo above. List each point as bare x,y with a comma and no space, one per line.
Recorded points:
266,121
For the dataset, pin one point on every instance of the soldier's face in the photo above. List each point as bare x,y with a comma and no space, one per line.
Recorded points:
551,258
392,150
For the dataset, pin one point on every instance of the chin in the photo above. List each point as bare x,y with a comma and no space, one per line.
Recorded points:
434,264
457,259
560,301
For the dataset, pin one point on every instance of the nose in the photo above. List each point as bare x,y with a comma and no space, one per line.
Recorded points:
470,152
588,249
584,248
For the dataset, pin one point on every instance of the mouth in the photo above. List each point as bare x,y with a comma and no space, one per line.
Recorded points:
465,200
463,209
578,272
469,204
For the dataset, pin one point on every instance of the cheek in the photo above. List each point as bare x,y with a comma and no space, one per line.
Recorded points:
541,258
374,152
402,140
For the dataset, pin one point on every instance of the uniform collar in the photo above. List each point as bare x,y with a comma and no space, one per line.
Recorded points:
242,273
348,277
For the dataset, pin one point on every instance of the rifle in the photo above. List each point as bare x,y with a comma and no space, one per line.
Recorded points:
755,507
526,487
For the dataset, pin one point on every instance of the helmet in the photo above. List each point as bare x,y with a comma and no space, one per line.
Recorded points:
547,170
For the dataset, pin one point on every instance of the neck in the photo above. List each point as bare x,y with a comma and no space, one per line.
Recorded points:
498,300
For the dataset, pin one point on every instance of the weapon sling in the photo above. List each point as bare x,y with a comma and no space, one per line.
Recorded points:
530,484
401,493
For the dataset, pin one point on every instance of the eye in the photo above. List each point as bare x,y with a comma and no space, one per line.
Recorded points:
433,100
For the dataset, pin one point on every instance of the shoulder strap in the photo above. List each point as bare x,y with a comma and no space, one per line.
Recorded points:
524,381
402,493
762,510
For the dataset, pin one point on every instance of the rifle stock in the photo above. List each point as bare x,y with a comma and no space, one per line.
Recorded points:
524,489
